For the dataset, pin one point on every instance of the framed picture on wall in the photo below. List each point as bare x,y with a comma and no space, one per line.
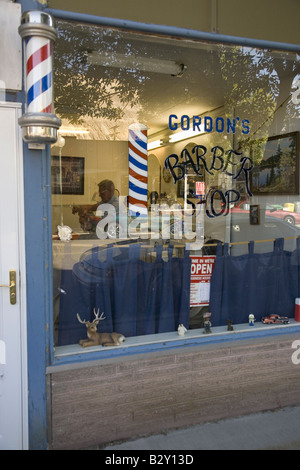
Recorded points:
277,172
67,175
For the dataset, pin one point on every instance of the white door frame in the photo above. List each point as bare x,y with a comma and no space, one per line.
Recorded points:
21,282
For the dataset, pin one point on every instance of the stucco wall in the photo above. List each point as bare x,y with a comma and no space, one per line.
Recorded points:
272,20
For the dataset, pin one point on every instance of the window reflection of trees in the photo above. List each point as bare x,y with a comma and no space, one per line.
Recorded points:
82,89
247,83
260,82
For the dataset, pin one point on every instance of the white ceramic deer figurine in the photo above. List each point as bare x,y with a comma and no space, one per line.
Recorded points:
94,338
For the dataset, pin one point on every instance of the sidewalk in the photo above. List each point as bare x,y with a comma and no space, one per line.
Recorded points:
271,430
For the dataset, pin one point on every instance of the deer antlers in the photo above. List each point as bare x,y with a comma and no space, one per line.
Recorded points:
96,319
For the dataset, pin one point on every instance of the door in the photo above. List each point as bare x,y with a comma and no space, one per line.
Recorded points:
13,385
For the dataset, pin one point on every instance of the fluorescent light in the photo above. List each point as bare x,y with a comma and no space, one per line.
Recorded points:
134,63
155,144
72,131
182,135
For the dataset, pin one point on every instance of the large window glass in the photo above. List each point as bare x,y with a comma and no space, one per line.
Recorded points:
170,152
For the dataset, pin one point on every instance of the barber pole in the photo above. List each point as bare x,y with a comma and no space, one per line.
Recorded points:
138,170
38,75
39,124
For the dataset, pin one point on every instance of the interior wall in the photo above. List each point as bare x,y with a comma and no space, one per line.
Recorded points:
101,160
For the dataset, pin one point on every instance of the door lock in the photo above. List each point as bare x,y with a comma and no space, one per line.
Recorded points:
12,287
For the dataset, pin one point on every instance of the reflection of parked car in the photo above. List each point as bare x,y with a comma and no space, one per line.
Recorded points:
274,211
237,228
274,319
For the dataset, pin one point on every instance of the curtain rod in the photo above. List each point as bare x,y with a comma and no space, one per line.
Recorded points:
172,31
214,244
247,242
182,245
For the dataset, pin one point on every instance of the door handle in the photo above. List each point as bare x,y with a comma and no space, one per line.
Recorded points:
12,287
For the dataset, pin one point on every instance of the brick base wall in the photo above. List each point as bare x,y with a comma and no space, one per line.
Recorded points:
141,395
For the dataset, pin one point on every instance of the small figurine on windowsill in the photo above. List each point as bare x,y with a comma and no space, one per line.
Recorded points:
64,233
181,330
207,323
230,325
94,338
251,319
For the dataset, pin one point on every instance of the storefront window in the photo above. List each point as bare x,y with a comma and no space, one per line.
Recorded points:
171,152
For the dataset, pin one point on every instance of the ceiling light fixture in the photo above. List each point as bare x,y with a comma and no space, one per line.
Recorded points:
72,131
134,63
184,135
155,144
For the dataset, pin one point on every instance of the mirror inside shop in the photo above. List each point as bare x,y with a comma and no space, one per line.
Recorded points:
175,187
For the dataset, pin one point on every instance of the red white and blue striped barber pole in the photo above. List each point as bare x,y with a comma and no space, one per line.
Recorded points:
39,124
138,169
38,75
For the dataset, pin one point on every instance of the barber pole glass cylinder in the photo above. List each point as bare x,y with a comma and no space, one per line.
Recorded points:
138,170
38,59
39,124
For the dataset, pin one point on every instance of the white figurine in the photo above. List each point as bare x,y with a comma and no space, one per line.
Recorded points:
181,330
64,233
251,319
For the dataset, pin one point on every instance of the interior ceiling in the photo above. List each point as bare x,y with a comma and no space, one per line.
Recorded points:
107,100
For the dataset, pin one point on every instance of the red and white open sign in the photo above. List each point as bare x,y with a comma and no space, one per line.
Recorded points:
200,188
201,272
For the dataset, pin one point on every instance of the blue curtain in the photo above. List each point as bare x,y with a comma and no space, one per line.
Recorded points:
137,297
260,284
164,287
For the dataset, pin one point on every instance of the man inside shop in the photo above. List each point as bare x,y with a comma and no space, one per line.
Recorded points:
87,218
